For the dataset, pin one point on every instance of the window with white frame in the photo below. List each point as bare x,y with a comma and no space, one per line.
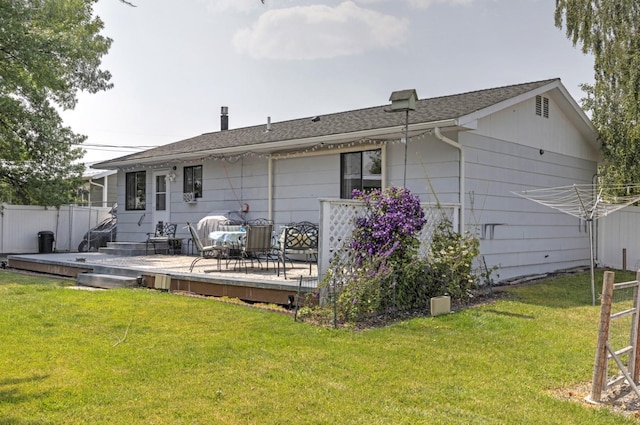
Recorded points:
193,180
135,190
360,170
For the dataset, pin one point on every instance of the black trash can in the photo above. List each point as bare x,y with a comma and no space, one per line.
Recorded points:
45,242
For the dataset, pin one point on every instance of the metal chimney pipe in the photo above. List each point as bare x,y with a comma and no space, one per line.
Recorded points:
268,123
224,118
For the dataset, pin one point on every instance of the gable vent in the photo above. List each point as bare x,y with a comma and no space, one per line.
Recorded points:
542,106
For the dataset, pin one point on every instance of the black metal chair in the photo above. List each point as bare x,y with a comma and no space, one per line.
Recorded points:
209,251
298,238
164,235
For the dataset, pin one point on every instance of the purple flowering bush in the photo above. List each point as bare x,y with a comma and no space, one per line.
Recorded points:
379,272
384,243
390,226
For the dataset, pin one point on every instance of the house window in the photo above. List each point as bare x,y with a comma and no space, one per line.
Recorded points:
193,180
161,193
360,170
542,106
136,190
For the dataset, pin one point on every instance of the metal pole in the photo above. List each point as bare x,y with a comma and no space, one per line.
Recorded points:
593,291
406,142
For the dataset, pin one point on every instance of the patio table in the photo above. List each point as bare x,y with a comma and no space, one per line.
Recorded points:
232,240
227,237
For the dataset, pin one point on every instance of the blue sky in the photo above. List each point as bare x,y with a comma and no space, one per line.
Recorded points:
174,64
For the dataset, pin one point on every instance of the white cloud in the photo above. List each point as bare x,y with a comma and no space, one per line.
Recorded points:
424,4
320,32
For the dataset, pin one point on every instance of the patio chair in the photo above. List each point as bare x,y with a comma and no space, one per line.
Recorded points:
209,251
165,234
257,242
298,239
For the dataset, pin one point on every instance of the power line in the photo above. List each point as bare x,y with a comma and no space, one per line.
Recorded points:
118,146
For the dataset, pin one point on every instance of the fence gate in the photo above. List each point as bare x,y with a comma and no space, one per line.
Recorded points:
604,351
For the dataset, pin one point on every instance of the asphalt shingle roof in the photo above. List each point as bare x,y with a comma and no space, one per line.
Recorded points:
427,110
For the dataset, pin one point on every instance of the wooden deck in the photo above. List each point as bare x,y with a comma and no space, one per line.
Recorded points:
256,284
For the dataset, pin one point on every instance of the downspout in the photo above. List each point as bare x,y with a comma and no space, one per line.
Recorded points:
450,142
270,188
104,191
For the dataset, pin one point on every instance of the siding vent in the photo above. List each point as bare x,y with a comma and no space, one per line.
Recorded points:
542,106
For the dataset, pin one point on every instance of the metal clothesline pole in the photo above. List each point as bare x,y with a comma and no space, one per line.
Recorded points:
592,266
588,206
588,215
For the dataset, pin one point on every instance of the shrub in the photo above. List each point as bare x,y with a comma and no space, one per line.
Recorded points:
383,244
390,226
380,272
451,256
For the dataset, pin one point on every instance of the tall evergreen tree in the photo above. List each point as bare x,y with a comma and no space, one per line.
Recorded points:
610,30
49,51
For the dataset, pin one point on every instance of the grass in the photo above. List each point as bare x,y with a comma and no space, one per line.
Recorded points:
148,357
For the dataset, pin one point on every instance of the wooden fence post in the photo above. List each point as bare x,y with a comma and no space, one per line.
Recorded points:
600,363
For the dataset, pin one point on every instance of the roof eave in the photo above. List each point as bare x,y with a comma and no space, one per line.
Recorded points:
379,133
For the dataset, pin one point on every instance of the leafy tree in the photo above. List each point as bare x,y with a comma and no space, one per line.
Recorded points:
610,29
49,51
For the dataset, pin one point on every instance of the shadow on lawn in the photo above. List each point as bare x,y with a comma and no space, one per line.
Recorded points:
12,421
508,314
10,392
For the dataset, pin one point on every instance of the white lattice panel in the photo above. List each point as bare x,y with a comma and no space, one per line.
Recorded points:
338,218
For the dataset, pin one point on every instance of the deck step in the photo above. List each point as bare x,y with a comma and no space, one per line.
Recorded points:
124,252
132,249
106,281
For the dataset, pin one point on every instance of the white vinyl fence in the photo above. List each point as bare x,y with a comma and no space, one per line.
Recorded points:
20,225
618,241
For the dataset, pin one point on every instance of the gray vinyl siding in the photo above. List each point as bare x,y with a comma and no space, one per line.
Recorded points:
300,182
430,164
531,238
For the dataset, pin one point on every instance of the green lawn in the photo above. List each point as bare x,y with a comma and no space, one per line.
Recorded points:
147,357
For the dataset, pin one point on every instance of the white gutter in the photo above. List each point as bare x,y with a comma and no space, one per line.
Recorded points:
461,189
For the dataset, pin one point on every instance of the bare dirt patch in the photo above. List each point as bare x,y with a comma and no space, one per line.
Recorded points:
620,398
